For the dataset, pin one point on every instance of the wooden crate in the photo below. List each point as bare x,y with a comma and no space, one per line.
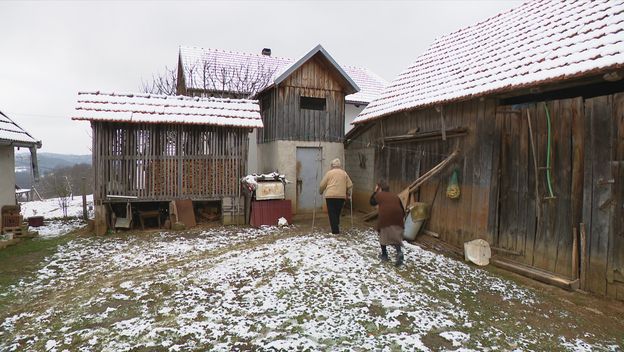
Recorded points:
11,220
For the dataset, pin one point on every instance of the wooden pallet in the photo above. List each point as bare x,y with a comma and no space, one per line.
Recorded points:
18,231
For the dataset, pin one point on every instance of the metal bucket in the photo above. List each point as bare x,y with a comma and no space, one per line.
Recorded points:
416,216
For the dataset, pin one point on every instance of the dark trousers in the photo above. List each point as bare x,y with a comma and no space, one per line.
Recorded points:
334,207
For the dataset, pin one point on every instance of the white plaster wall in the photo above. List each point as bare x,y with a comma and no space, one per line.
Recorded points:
351,111
282,156
252,154
7,175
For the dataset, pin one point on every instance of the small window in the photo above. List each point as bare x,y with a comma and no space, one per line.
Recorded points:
312,103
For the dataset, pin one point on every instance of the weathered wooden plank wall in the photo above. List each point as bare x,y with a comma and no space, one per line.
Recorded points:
401,162
167,161
499,201
604,194
539,233
286,120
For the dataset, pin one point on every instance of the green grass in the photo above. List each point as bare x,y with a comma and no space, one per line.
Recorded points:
23,259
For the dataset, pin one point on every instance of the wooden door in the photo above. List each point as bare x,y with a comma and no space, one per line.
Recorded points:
604,195
534,225
517,213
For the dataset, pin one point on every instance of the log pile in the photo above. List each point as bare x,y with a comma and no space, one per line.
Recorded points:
199,177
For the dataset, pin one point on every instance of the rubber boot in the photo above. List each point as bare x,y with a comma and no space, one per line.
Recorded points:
399,256
384,254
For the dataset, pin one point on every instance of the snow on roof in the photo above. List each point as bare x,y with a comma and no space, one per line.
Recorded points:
261,69
150,108
12,134
535,43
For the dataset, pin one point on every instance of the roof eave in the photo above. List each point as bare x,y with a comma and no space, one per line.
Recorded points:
21,144
165,122
502,90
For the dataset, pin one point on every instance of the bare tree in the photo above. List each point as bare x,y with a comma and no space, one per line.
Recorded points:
207,78
164,83
61,187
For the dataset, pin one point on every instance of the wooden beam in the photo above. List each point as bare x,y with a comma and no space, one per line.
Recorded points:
427,136
538,204
506,251
442,123
404,195
575,254
583,268
431,233
537,274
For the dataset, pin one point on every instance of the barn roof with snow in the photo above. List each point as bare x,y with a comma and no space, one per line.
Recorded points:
536,43
150,108
265,70
12,134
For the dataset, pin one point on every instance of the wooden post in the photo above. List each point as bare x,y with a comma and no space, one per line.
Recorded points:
538,205
575,254
442,123
84,198
583,271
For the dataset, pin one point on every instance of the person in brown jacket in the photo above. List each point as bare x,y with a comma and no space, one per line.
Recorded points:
337,186
389,220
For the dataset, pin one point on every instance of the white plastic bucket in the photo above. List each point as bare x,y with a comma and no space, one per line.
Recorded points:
418,213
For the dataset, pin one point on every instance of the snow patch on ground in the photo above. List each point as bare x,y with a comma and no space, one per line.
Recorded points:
269,288
55,228
51,209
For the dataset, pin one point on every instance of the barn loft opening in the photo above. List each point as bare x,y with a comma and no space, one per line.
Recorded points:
310,103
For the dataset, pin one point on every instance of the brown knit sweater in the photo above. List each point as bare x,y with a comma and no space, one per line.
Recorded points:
390,210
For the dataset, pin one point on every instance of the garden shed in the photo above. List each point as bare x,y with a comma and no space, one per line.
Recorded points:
534,100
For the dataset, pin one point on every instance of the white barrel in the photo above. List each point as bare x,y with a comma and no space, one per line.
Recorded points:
415,218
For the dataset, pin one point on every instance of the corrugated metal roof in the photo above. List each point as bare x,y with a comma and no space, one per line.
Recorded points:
150,108
246,73
535,43
11,133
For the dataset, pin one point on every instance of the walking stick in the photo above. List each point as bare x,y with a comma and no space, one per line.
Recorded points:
314,212
315,196
351,204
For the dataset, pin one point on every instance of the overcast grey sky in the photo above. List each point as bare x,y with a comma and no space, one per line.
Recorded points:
51,50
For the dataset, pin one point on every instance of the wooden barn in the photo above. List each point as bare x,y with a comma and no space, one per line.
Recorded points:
303,112
533,99
306,105
154,148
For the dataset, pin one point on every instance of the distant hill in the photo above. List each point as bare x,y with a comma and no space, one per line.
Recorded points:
49,161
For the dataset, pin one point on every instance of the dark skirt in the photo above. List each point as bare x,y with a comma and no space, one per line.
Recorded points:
391,235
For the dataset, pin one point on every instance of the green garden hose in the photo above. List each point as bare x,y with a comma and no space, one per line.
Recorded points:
548,177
